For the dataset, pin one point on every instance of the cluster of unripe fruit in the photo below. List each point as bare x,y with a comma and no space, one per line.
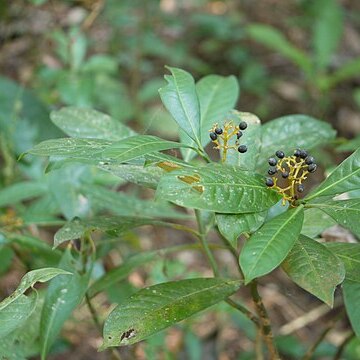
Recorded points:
293,170
221,136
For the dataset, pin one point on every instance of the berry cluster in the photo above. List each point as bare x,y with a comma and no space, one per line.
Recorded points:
221,137
289,172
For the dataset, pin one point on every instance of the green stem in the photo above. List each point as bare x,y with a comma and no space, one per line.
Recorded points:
205,245
309,354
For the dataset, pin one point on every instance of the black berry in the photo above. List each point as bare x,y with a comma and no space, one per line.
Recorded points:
218,131
303,154
272,161
300,188
285,174
272,171
312,168
297,152
309,160
269,182
242,149
213,136
280,154
239,134
242,125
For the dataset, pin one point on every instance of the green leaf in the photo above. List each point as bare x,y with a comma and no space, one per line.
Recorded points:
220,188
349,254
29,280
23,342
351,293
88,123
269,246
13,315
63,296
345,177
136,146
180,99
293,131
344,212
21,191
128,205
76,228
315,222
327,32
275,40
103,151
231,226
314,268
160,306
147,176
251,137
90,149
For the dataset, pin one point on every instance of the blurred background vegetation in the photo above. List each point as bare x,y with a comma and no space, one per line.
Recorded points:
299,56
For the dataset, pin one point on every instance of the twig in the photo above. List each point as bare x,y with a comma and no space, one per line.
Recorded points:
265,322
304,320
308,355
96,10
96,320
245,311
258,345
342,346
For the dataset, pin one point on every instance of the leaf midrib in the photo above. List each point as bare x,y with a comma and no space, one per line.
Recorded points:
274,237
196,139
178,300
143,145
316,194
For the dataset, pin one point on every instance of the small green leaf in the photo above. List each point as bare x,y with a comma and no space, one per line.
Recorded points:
269,245
345,177
349,254
180,99
217,96
316,269
231,226
344,212
220,188
88,123
293,131
351,293
160,306
29,280
21,191
64,294
275,40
